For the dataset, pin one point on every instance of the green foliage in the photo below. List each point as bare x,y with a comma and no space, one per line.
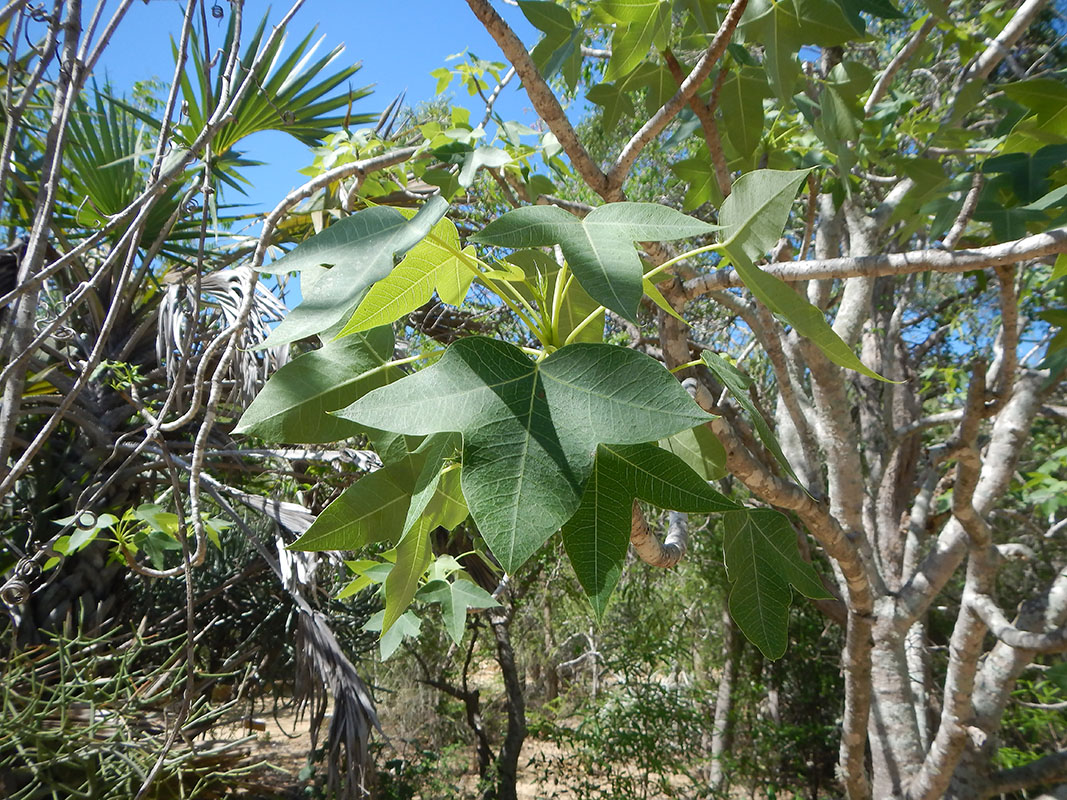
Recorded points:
530,428
598,535
599,249
294,405
762,560
359,249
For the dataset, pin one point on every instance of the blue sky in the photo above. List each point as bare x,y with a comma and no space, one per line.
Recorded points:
398,42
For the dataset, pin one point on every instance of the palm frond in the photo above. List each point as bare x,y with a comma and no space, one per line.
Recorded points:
292,94
222,294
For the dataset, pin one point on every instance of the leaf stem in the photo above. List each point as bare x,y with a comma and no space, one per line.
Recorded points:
473,263
583,324
400,361
563,282
670,262
696,362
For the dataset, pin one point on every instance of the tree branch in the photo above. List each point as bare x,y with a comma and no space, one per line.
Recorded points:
541,95
899,60
1048,769
986,607
621,168
649,549
1037,246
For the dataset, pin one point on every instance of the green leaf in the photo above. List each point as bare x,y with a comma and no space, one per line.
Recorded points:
436,493
753,218
762,560
597,536
700,449
741,101
616,103
551,19
293,406
642,24
360,249
599,249
775,26
1059,269
657,297
378,507
754,215
455,598
530,429
737,383
432,263
481,157
1042,95
406,627
703,186
373,509
157,519
413,555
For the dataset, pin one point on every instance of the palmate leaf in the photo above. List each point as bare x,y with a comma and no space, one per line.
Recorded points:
455,598
292,94
598,249
530,429
430,264
762,560
360,250
597,536
753,218
294,404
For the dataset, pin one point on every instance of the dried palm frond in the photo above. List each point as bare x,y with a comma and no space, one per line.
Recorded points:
221,296
323,670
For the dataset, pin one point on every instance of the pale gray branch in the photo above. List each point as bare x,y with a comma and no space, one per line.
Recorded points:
986,607
1037,246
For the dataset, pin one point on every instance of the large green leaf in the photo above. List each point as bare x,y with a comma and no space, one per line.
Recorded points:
560,49
641,24
755,213
293,405
597,536
530,429
372,509
762,560
360,250
741,101
599,249
432,263
775,26
753,218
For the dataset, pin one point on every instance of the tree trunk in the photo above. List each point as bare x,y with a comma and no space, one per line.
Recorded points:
722,727
507,762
